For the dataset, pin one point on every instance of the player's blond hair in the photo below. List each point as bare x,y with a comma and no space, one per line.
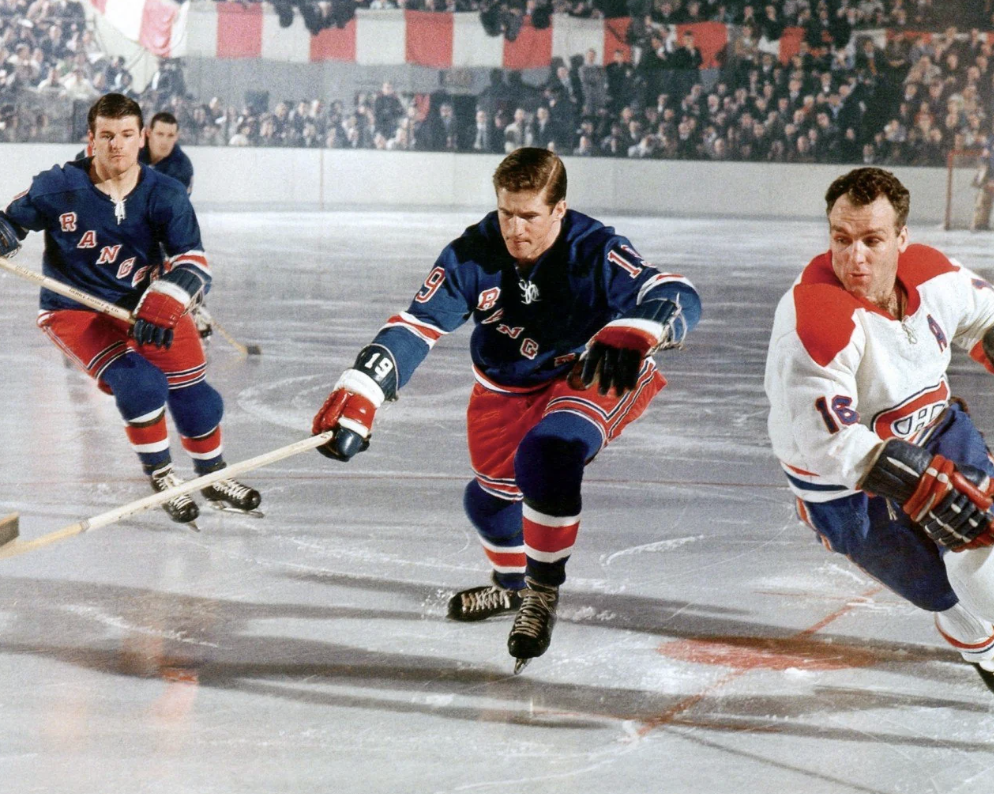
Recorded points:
865,185
530,169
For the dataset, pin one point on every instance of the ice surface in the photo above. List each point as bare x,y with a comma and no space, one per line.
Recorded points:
707,643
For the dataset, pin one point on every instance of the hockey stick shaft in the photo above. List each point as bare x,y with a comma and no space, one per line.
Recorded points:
230,339
65,290
103,306
18,547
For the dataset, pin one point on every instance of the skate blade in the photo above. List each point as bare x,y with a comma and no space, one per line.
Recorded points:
520,664
191,525
229,509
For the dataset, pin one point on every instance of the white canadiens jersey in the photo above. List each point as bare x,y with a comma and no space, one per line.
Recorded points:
842,375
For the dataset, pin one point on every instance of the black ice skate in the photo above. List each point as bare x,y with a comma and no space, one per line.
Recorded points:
480,603
233,497
181,509
987,676
532,630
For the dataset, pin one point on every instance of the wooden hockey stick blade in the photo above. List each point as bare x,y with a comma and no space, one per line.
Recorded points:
14,548
9,529
67,291
245,350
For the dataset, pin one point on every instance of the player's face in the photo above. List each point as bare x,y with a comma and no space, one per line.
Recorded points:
865,245
528,224
116,143
161,139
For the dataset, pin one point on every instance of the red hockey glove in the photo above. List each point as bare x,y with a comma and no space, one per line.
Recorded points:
615,354
351,406
162,305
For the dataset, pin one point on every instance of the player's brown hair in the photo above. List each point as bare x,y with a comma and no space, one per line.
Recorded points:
532,169
113,106
865,185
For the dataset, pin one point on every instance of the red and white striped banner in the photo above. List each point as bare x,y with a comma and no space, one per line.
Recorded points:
437,40
157,25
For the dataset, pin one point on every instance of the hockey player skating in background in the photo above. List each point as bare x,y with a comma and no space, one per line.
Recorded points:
886,466
120,231
162,152
567,317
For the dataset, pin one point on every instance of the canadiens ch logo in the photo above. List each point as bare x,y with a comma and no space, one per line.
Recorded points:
913,415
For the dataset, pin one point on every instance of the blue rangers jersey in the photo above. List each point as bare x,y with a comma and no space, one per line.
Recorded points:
109,250
531,328
176,164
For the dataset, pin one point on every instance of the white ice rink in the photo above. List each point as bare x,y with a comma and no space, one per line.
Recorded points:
707,643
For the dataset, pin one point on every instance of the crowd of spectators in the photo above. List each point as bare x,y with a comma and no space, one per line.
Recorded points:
917,14
841,99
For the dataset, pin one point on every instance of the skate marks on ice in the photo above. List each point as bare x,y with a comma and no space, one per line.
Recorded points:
311,645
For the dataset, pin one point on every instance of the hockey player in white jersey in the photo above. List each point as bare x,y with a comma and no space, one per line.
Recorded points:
886,466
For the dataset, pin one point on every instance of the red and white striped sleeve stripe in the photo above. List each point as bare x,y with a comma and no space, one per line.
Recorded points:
662,278
196,258
427,333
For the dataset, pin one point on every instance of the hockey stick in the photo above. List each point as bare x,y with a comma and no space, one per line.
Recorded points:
77,295
245,350
101,305
9,525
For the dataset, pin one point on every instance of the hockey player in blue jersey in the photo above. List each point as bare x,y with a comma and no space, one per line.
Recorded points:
567,318
123,232
163,153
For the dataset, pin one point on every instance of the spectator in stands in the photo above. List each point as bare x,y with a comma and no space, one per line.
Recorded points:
620,74
51,85
480,136
78,86
593,82
517,133
439,131
614,144
241,137
496,96
543,130
686,62
387,109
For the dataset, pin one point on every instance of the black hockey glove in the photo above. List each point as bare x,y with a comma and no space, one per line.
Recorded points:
952,504
614,355
10,243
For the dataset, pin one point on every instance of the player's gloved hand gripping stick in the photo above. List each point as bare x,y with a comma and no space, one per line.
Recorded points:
951,503
349,410
614,356
10,243
163,304
161,308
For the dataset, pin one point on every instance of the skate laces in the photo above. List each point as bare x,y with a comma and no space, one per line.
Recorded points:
232,489
166,480
490,598
533,614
